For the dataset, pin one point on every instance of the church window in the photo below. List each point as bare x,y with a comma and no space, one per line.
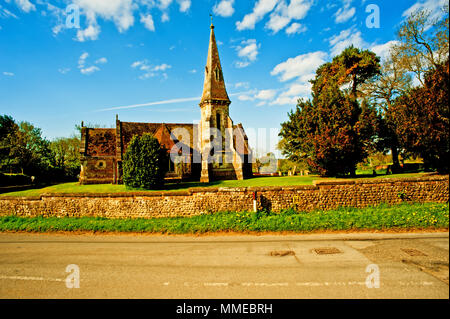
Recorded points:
218,74
101,164
218,121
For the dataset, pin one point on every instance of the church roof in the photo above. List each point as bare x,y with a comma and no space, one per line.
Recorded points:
164,132
214,84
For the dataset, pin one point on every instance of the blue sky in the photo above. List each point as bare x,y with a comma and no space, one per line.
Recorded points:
144,59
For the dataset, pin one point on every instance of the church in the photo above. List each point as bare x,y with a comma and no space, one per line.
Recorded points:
213,149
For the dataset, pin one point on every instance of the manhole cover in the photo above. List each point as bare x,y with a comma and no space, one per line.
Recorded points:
282,253
413,252
327,251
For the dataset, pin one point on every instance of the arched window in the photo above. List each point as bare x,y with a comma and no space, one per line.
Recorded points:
218,74
218,121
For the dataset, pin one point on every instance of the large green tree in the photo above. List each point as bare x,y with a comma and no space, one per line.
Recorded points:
8,132
22,147
334,131
422,119
145,163
348,71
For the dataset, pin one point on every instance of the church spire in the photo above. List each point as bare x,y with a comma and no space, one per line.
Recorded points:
214,86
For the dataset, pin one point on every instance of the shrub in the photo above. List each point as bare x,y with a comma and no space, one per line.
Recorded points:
145,163
14,179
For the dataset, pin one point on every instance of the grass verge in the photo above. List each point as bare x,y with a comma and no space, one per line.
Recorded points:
383,217
76,188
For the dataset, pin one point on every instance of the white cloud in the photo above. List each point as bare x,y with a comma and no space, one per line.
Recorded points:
150,71
5,13
147,20
118,11
345,13
434,6
244,85
164,4
284,14
296,28
277,22
247,51
184,5
262,103
284,100
224,8
25,5
161,67
64,70
165,17
8,74
137,64
300,66
382,50
302,69
82,59
344,39
193,71
265,94
90,70
298,88
261,8
241,64
82,65
90,33
245,97
262,95
101,61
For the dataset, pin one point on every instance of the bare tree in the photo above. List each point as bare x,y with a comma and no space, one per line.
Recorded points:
423,42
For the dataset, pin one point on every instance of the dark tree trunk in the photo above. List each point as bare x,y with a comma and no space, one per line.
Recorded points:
395,162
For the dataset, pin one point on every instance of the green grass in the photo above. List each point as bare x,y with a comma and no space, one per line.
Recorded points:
257,181
383,217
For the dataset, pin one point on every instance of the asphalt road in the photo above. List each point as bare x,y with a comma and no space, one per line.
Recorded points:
408,265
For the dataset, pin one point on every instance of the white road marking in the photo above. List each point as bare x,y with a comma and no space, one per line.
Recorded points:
30,278
216,284
300,284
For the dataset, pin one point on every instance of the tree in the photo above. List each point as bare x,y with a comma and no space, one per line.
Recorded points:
22,147
423,42
392,81
352,68
422,119
145,163
8,132
66,156
333,132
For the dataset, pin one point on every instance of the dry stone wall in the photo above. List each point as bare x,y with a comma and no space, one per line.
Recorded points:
323,195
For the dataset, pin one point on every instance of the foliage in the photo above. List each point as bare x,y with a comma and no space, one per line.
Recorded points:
352,68
423,42
66,156
422,119
404,216
22,147
145,163
333,132
23,150
14,179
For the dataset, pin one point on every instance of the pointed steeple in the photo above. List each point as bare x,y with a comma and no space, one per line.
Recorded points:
214,85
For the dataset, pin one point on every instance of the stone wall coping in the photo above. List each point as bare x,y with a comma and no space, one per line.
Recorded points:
190,191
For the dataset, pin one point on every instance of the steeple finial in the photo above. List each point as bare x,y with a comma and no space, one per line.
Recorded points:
212,25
